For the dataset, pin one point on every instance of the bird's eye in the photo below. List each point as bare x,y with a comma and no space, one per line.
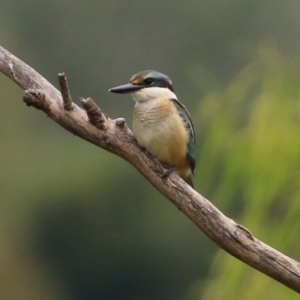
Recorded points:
149,81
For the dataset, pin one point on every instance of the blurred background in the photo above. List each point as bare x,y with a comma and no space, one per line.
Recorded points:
78,223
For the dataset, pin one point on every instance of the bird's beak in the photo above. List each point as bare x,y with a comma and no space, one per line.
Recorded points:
125,88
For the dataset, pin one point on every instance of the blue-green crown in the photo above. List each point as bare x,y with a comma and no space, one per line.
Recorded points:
151,78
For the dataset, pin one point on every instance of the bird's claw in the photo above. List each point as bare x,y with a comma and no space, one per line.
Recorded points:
167,172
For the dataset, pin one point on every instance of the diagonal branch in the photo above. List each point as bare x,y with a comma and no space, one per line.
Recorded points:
114,136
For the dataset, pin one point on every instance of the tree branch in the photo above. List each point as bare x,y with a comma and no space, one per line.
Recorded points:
114,136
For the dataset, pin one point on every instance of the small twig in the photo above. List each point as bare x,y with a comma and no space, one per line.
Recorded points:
95,115
120,122
65,92
36,98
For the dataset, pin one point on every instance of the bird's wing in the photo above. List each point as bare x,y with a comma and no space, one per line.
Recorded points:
185,115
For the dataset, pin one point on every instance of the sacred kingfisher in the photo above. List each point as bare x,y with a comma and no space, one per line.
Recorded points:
161,124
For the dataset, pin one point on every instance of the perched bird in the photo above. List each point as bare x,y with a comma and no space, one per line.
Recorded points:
161,124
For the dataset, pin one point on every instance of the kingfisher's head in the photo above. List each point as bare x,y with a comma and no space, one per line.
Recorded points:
146,85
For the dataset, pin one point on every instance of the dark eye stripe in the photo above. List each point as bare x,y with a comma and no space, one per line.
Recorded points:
149,81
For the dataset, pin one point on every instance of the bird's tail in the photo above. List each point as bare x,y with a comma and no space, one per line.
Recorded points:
189,181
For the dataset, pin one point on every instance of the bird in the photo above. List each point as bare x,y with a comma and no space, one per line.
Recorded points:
161,123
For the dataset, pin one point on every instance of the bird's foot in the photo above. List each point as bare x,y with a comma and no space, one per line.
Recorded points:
167,172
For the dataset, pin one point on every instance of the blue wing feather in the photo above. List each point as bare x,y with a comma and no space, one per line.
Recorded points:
185,115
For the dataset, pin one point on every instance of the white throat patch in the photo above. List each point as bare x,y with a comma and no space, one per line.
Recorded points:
152,93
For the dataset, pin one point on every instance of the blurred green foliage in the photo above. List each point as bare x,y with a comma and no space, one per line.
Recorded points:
79,223
251,152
